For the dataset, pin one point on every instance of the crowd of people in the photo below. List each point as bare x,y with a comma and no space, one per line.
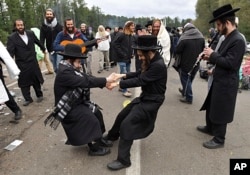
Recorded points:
152,46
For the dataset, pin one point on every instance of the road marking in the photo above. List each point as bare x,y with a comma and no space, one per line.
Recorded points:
135,169
11,84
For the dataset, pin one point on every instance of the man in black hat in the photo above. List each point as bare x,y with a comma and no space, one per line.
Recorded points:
149,27
136,120
138,32
81,119
221,98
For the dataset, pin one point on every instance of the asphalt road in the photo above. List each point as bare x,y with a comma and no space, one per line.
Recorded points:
174,148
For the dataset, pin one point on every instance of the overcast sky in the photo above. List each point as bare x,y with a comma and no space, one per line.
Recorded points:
146,8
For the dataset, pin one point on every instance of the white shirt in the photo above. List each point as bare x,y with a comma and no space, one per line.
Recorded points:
24,38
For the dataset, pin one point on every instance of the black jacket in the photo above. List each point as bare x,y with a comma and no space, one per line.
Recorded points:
122,44
221,99
81,125
25,57
49,34
189,50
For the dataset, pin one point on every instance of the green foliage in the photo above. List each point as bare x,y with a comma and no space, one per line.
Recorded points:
32,12
205,8
3,36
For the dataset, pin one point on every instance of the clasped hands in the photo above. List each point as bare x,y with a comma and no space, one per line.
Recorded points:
113,80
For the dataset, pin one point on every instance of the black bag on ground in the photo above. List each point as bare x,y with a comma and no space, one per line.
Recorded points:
203,72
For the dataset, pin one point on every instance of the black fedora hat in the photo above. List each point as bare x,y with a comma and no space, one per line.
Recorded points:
150,23
147,42
107,27
72,51
223,11
138,27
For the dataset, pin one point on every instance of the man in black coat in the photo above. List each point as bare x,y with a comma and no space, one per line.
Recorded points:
137,119
49,29
21,45
221,98
81,124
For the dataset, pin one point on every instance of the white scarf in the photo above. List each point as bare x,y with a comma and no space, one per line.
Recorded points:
52,24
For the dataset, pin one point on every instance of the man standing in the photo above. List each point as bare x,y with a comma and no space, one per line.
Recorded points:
103,48
70,35
49,29
149,27
89,36
190,45
163,39
124,52
21,45
221,98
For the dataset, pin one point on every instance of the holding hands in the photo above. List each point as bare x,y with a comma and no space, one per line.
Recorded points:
112,80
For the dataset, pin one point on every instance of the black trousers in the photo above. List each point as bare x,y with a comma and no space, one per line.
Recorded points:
114,132
124,151
218,130
26,91
11,103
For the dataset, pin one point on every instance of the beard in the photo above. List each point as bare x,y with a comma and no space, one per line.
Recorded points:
155,32
224,30
20,31
49,19
70,30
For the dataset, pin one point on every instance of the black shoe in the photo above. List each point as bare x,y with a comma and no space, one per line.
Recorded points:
26,103
99,152
204,129
106,143
109,138
116,165
184,100
18,115
181,91
39,99
211,144
67,142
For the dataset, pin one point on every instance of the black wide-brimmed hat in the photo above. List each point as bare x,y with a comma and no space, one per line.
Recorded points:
72,51
150,23
107,27
147,42
223,11
138,27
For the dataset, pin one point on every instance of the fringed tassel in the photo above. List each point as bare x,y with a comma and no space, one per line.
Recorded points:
52,120
54,124
49,119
